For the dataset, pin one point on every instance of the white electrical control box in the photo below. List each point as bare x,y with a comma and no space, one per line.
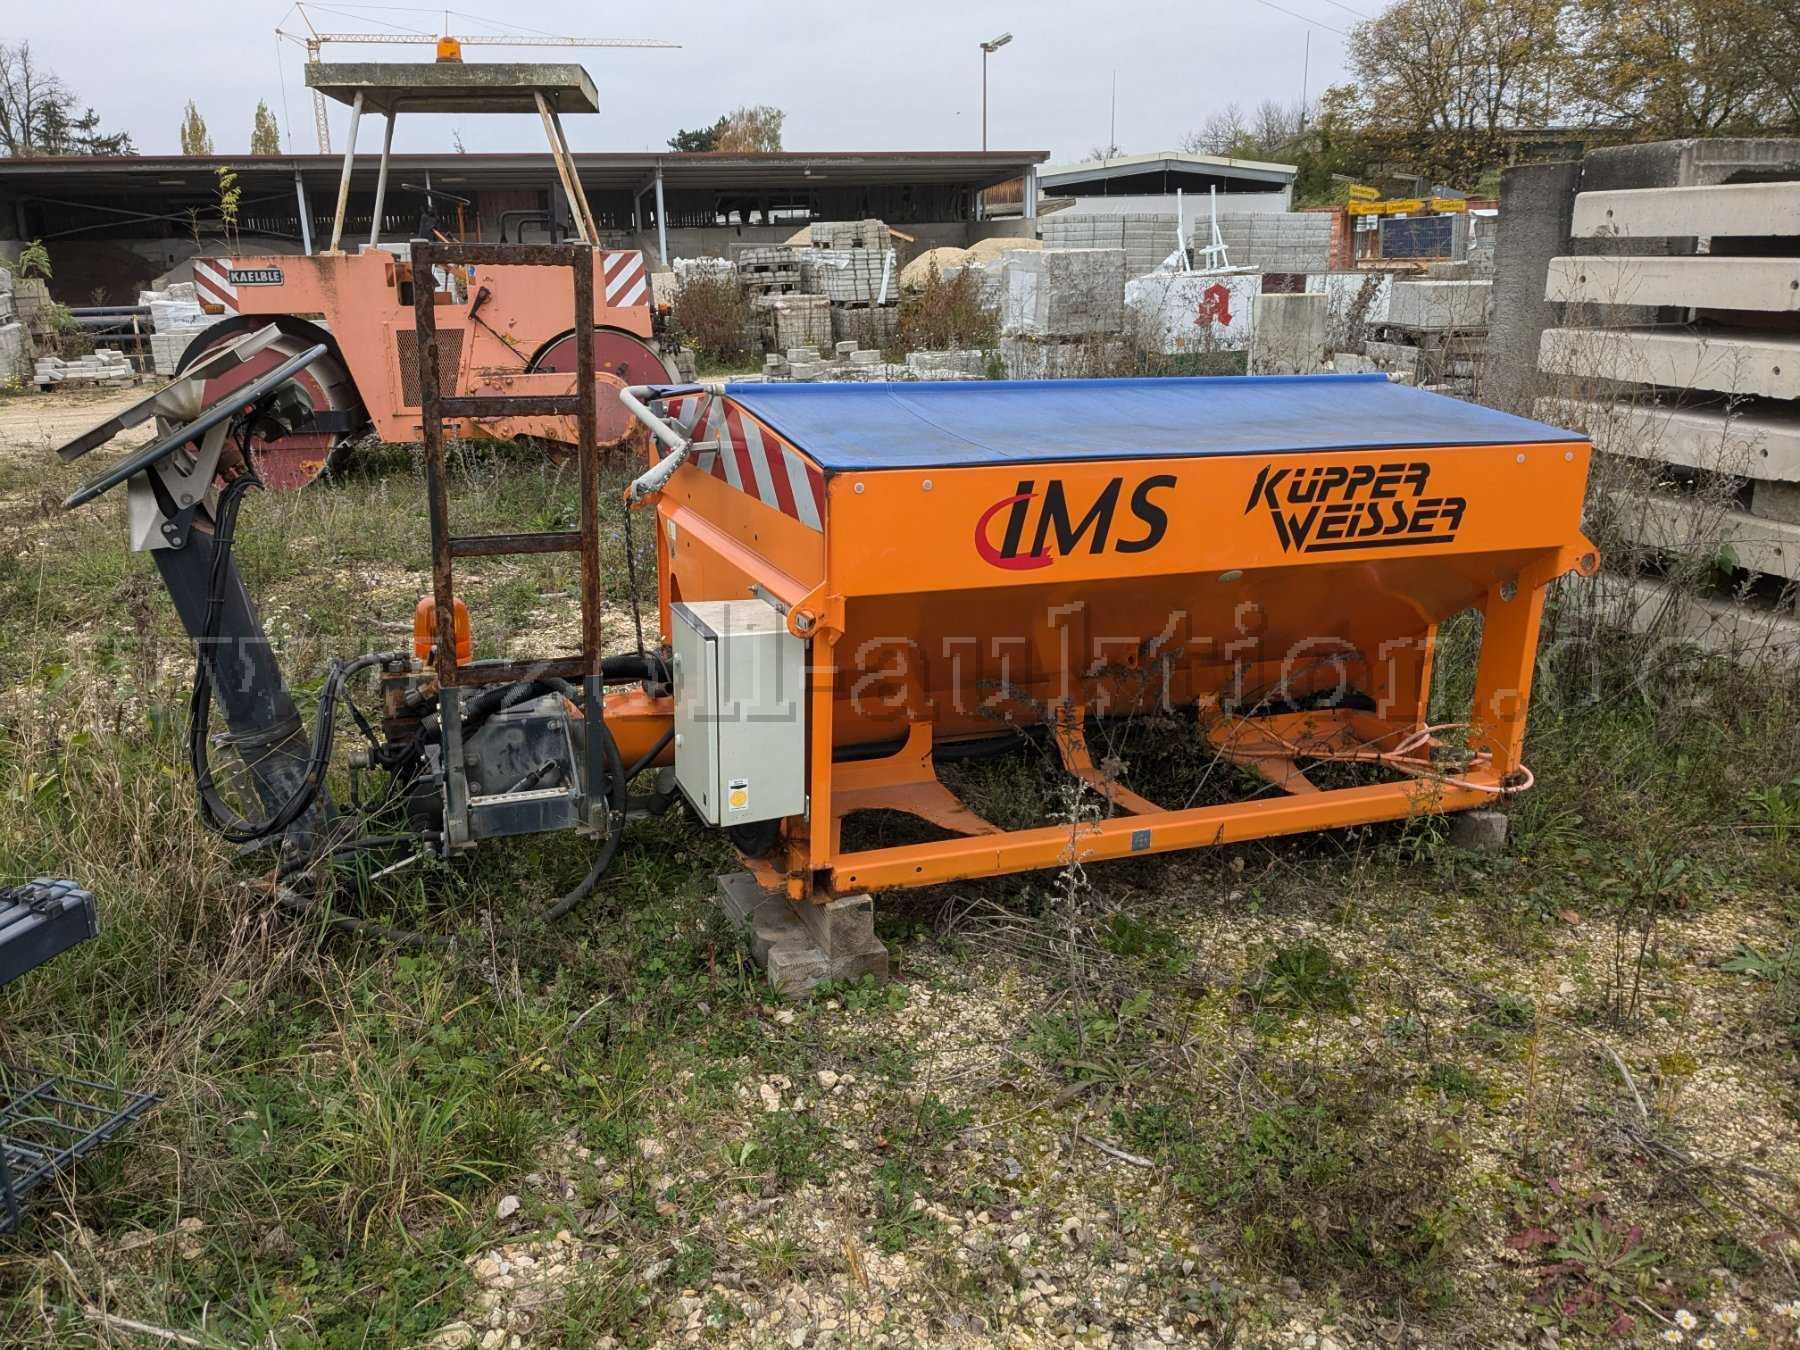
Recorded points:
740,711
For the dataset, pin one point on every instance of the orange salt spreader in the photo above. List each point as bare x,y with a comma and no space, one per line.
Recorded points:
953,564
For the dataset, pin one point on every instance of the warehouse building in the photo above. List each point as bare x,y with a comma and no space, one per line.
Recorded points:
1132,184
114,224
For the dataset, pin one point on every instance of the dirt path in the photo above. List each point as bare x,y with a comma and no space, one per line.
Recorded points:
33,425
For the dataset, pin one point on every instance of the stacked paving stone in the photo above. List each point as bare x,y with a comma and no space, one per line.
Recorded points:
844,234
767,269
1064,293
707,269
15,338
863,276
105,368
1273,241
969,364
175,316
875,326
792,321
853,266
844,361
31,297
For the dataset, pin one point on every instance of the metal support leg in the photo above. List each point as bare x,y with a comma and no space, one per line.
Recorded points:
1510,622
343,197
662,222
565,170
387,146
305,213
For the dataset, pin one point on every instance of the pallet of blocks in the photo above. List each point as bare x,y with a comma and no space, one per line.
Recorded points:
767,269
791,322
104,368
850,234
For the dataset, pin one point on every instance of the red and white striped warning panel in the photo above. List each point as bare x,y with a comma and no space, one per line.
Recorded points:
752,458
627,283
213,284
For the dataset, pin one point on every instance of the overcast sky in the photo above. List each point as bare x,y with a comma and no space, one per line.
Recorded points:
850,76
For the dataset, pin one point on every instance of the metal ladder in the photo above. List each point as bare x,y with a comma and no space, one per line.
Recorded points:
434,407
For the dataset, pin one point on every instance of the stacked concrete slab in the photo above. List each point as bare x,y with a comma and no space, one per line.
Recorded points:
1714,387
104,368
1440,305
15,338
1432,329
1293,241
1064,293
175,318
793,321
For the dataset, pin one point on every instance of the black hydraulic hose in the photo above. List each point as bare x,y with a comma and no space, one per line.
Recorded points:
623,668
217,814
649,756
617,782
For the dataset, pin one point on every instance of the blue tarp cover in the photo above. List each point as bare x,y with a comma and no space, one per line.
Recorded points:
947,424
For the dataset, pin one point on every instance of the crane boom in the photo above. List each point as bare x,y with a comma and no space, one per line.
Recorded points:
400,39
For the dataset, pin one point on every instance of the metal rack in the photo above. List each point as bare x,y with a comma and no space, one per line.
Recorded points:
48,1122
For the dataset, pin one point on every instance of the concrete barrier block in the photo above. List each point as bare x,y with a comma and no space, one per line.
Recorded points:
1439,305
1288,333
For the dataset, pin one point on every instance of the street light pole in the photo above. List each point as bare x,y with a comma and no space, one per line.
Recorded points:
987,50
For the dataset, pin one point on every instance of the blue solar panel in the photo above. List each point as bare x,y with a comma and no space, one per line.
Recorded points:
975,422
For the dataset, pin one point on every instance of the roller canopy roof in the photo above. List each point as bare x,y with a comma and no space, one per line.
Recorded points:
968,423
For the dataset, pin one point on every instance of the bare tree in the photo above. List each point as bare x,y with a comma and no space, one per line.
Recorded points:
1276,124
1104,152
1221,134
38,112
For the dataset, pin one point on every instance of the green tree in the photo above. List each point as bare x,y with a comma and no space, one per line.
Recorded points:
1670,68
195,139
687,142
1439,80
265,136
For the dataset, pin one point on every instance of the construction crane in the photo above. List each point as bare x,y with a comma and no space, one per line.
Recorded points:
448,49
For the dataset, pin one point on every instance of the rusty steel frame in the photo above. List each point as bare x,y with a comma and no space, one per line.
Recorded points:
434,408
